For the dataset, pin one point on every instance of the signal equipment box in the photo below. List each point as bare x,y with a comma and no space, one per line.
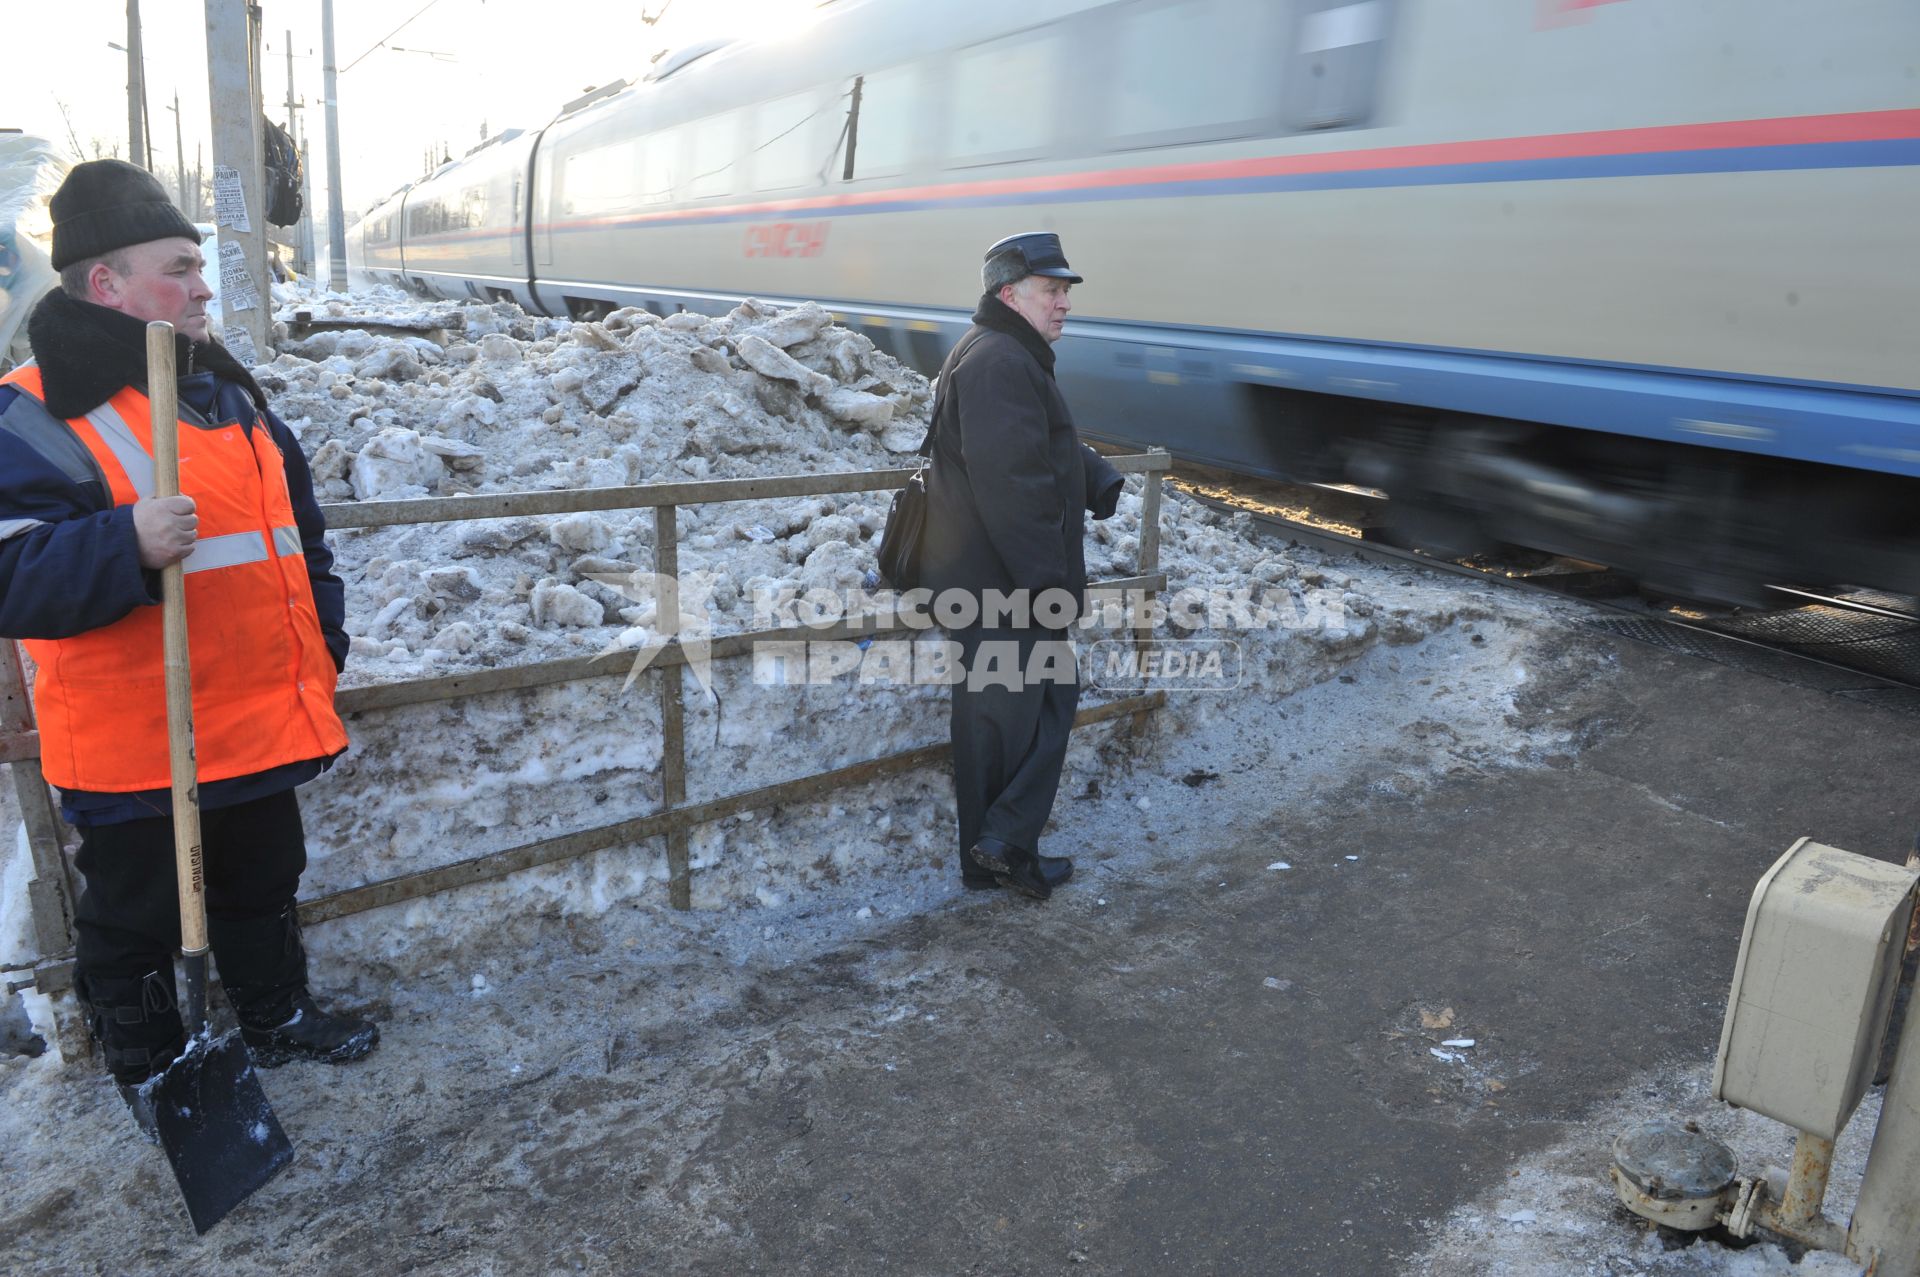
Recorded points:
1819,964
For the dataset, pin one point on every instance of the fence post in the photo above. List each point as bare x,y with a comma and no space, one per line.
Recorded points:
1148,564
50,892
673,722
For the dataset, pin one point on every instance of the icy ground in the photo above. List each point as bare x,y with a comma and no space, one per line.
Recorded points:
556,979
1555,1217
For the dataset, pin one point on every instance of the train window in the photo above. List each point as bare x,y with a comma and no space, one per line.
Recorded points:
714,150
889,124
1189,70
602,180
1336,68
429,217
1001,98
788,145
659,166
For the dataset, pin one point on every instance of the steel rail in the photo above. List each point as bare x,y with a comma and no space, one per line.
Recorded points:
1846,604
1394,556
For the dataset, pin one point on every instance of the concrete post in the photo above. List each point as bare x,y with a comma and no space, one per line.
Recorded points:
256,92
180,159
238,189
336,212
139,148
1886,1220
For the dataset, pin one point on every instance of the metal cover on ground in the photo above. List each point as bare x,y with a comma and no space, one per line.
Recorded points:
1669,1161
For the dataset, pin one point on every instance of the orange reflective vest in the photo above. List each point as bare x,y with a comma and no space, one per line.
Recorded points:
262,677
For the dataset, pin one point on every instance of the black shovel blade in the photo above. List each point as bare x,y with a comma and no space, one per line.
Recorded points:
217,1128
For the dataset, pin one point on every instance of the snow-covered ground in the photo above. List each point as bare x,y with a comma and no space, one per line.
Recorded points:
1557,1217
481,398
511,402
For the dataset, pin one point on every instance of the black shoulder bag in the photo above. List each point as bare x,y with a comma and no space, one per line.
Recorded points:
899,551
900,540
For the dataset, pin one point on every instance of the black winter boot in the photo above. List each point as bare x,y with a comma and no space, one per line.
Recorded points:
309,1034
137,1024
263,966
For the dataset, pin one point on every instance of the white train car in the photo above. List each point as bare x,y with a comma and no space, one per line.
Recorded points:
1613,277
465,225
373,244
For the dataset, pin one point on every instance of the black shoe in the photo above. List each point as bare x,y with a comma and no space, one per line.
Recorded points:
311,1034
1012,867
1057,870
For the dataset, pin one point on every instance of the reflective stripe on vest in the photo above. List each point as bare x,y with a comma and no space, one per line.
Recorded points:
263,680
127,450
209,552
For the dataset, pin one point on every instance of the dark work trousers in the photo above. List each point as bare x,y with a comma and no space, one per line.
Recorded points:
128,918
1009,742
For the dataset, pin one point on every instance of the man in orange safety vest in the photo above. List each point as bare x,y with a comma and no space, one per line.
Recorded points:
82,542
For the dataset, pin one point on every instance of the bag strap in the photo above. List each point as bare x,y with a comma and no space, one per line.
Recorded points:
940,395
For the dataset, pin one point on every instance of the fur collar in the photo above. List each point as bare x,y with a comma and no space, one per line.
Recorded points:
88,354
1002,318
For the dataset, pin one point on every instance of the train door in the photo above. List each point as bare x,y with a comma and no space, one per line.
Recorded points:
516,200
545,205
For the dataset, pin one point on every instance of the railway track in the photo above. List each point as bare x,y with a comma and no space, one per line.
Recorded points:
1858,645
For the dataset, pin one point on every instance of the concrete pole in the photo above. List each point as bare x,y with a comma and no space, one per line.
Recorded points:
256,84
1886,1218
241,260
305,249
336,212
180,157
138,149
303,229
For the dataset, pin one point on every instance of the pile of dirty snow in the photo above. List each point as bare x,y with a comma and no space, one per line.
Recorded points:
392,399
442,399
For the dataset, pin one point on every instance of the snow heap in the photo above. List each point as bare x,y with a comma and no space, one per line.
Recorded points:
435,400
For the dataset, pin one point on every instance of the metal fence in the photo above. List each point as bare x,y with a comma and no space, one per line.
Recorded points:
52,891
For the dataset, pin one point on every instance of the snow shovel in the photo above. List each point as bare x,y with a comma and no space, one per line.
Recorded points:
213,1119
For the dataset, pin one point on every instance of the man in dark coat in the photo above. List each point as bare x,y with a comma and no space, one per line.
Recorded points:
1006,492
83,537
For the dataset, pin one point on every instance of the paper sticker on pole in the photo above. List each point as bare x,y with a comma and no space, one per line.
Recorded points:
236,282
229,199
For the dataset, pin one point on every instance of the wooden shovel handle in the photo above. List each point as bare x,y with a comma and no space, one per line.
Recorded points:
189,863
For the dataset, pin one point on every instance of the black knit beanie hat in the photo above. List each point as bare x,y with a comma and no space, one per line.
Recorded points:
109,204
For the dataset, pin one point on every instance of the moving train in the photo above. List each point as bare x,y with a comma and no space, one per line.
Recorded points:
1636,281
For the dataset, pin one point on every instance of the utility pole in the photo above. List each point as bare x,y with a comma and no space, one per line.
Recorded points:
336,211
257,76
180,161
139,146
303,229
239,200
305,251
